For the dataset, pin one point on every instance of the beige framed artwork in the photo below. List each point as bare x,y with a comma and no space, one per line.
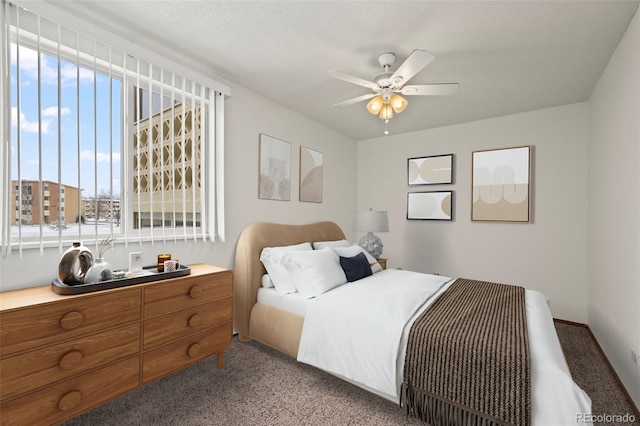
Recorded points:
431,170
275,169
430,205
501,182
311,175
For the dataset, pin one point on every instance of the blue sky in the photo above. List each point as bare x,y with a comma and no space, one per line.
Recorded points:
68,123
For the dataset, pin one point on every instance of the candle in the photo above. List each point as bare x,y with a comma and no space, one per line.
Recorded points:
161,259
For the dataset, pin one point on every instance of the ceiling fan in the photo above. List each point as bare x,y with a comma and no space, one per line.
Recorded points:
388,85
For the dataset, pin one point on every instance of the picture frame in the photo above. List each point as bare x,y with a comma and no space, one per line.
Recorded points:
501,185
430,205
274,174
430,170
311,175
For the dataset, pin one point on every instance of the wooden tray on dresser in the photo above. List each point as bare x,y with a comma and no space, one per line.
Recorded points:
61,288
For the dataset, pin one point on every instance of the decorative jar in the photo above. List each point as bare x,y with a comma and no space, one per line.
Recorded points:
75,264
100,271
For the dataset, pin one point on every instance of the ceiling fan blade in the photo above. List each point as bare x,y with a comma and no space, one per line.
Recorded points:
355,100
417,60
430,89
355,80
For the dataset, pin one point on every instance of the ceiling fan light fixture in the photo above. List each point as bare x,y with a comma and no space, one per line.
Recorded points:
375,105
386,112
398,103
388,85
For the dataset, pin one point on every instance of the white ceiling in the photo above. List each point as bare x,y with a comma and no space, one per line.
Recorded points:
507,56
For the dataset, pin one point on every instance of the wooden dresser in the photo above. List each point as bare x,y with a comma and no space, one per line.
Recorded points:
63,355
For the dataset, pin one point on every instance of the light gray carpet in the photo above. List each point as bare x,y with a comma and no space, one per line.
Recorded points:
260,386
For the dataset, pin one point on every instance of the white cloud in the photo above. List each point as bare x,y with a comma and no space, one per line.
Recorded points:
102,157
69,74
52,111
26,125
48,68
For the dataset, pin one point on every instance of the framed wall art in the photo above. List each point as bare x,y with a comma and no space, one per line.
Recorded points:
274,181
433,205
501,185
432,170
311,175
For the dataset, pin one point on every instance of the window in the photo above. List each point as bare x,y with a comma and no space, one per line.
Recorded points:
128,142
169,193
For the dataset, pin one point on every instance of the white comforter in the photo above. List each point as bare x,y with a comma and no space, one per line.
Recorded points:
358,332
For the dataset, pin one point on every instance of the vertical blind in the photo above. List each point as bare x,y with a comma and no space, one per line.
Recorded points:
142,142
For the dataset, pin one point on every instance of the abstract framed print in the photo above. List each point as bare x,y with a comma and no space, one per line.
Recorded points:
274,181
311,175
501,185
433,205
432,170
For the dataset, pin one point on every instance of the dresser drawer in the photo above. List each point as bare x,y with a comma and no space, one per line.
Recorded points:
31,370
173,356
169,327
35,326
175,294
63,400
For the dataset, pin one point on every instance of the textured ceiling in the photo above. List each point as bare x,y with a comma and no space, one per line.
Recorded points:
507,56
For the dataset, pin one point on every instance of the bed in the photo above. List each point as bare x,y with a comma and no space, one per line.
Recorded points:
278,321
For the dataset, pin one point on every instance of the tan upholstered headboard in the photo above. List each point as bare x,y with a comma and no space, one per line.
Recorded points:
248,269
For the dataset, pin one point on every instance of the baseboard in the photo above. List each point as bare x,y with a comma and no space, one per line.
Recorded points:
611,369
575,324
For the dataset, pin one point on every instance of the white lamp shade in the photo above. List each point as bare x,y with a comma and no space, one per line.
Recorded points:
371,221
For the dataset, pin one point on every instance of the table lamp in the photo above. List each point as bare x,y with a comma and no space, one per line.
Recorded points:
371,221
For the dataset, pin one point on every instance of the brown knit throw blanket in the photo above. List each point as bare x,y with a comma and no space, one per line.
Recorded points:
467,359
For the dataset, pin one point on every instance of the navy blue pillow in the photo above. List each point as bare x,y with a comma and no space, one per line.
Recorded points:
356,267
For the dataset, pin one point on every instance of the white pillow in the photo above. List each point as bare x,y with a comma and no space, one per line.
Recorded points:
270,258
322,244
266,281
354,250
314,272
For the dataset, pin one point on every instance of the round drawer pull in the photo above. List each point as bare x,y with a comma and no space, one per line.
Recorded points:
70,360
194,350
195,320
69,400
195,291
71,320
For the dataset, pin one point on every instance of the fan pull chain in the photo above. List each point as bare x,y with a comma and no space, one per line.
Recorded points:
386,130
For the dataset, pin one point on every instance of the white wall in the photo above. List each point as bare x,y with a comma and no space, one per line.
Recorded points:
246,115
614,209
548,255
